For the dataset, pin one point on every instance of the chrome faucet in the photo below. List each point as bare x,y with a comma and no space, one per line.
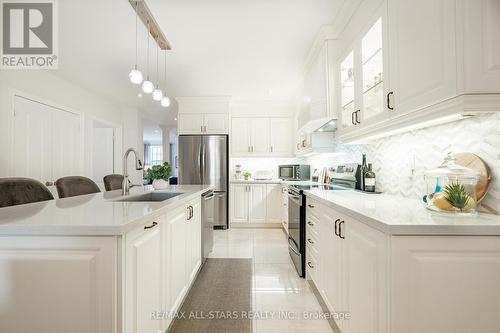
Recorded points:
138,166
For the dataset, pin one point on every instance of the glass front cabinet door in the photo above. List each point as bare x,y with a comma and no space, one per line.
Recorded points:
363,79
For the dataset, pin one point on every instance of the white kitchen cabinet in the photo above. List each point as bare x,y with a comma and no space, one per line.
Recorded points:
143,278
281,143
47,141
284,208
423,53
193,238
352,268
274,210
239,203
198,123
260,136
260,142
363,66
258,204
450,281
176,256
69,279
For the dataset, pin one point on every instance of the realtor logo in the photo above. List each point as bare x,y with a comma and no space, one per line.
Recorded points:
29,34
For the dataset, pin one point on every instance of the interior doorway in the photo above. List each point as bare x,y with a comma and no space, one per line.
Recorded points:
105,149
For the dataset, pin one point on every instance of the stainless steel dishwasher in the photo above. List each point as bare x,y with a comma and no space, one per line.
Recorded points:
207,223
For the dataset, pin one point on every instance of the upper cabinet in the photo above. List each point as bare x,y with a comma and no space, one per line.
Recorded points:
212,123
261,136
203,115
406,63
318,94
423,55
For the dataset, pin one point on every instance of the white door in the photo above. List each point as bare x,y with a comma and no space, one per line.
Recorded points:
281,130
32,149
190,123
216,123
102,153
260,136
365,277
422,52
143,278
258,203
241,136
239,203
193,243
274,205
47,141
67,150
175,250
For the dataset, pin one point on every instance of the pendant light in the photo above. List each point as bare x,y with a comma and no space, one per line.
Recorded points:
135,75
147,86
157,93
165,100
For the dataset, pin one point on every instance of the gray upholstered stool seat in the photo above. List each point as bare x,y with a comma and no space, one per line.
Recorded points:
18,191
75,185
113,182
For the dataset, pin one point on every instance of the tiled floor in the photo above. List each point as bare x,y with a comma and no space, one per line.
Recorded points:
278,290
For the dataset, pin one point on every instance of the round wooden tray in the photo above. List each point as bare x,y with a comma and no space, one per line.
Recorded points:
474,162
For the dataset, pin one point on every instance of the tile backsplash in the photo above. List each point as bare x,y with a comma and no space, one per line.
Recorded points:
400,160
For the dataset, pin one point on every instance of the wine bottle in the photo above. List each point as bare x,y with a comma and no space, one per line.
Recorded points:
364,169
370,179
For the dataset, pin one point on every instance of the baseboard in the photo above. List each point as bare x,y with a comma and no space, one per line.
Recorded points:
255,225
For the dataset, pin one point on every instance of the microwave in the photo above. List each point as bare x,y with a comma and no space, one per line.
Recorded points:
294,172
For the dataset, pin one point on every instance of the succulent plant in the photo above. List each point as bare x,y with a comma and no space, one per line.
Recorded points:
456,195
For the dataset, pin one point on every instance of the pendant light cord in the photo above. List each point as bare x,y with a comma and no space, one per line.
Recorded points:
157,71
147,53
136,46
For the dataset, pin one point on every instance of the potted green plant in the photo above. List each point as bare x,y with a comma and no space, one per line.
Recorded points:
246,175
160,175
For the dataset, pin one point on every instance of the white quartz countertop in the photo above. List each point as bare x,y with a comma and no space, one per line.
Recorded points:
256,181
401,216
92,214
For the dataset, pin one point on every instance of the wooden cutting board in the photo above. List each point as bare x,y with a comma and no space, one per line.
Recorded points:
474,162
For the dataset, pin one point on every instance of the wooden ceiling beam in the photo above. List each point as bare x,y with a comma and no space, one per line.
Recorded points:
154,28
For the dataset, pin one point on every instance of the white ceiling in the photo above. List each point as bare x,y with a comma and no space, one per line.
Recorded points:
246,49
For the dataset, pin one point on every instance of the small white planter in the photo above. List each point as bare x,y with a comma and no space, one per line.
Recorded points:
160,184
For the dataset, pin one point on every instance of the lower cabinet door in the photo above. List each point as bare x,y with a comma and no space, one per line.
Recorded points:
365,278
238,198
143,278
274,203
193,243
445,284
258,203
176,257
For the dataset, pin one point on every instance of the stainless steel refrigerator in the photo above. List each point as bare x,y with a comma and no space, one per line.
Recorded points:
203,159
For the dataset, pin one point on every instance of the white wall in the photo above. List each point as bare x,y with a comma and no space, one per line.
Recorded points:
49,87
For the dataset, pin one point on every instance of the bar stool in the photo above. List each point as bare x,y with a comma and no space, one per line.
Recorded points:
75,185
18,191
113,182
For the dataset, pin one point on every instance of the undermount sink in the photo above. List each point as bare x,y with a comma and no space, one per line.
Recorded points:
151,197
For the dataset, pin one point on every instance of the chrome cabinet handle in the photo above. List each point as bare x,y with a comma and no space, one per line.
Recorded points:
341,235
310,223
310,264
190,212
352,118
356,117
151,226
336,225
389,100
49,183
310,206
310,241
272,148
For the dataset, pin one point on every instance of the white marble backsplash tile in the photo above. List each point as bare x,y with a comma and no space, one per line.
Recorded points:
400,160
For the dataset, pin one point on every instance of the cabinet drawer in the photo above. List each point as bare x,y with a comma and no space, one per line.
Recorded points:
312,223
312,241
312,208
311,264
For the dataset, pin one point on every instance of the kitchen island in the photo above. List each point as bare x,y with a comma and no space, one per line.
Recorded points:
99,262
397,267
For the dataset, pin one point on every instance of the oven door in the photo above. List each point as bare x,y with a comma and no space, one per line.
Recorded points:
296,230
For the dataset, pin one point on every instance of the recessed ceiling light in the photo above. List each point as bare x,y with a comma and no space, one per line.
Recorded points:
175,119
139,95
156,131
